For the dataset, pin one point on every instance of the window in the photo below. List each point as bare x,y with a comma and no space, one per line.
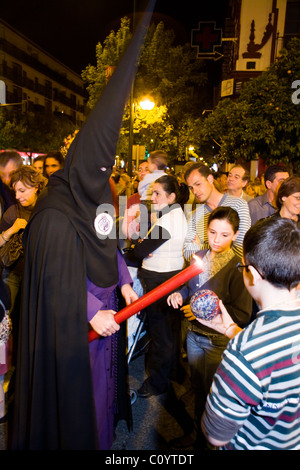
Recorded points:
251,65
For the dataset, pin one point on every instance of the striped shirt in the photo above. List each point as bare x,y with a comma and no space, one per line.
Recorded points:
255,395
198,226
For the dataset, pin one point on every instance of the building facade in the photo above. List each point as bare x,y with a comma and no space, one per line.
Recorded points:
35,80
255,32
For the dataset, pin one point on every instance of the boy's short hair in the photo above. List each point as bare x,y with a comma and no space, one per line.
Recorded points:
272,246
159,158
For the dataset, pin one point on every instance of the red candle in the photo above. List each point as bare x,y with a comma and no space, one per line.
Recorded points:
155,294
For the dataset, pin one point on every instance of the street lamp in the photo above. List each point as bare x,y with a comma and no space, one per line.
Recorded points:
147,104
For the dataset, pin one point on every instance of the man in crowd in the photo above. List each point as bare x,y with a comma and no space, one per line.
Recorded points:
200,180
10,160
237,180
220,178
263,206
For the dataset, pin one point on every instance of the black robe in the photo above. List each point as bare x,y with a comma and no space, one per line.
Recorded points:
53,394
53,405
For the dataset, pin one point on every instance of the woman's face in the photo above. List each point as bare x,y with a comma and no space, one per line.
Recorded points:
26,195
160,198
51,165
220,235
291,204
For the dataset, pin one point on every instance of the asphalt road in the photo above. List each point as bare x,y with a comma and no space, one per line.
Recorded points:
156,420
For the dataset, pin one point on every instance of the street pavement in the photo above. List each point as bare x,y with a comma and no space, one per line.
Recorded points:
156,420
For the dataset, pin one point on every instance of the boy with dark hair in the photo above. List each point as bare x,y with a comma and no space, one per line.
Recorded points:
254,403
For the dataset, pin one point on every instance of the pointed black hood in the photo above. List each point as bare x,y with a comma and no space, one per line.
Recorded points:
83,185
96,143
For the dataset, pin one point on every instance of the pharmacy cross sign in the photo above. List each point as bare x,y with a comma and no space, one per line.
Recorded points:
206,37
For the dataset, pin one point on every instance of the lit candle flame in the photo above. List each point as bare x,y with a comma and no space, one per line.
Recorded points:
198,260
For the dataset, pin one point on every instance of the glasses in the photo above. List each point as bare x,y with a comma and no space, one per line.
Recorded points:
241,266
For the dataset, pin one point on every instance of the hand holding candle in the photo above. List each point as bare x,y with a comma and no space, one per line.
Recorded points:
168,286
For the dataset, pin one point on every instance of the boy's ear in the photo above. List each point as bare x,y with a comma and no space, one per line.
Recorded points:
255,274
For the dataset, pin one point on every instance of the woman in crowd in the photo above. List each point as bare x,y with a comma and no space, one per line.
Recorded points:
27,183
162,255
288,199
204,345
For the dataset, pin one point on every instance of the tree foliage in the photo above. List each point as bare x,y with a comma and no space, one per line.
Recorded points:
263,122
33,131
170,74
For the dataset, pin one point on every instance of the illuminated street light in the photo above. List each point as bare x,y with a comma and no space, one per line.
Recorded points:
146,104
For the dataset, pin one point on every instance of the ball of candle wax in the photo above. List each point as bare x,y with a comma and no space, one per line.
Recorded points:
205,304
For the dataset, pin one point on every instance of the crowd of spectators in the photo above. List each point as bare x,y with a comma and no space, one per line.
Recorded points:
273,195
169,216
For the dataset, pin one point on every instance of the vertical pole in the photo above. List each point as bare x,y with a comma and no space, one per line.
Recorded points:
131,110
130,133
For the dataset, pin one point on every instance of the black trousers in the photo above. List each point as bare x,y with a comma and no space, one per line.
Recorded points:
164,326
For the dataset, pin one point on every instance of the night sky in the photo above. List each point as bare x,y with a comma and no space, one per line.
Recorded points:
70,29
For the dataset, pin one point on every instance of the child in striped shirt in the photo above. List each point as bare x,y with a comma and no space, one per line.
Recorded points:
254,403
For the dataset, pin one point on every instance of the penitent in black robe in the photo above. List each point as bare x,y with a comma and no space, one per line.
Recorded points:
54,405
54,398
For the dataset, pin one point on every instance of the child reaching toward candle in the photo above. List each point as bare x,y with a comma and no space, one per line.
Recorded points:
205,345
